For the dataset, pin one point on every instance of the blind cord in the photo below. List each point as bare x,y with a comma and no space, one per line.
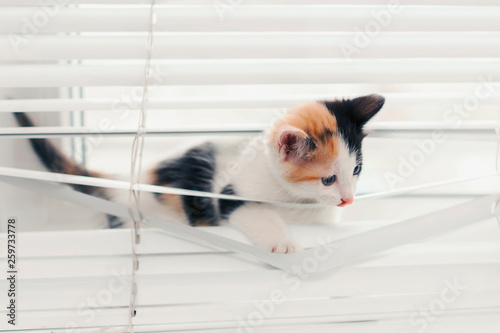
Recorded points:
134,206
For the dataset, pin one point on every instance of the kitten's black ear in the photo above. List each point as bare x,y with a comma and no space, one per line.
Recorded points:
294,145
366,107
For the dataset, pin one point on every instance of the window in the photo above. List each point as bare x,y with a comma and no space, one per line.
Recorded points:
231,66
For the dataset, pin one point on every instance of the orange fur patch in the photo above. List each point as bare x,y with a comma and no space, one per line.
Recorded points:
321,126
71,168
203,224
173,201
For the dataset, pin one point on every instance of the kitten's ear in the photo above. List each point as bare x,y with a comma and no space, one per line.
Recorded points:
295,145
366,107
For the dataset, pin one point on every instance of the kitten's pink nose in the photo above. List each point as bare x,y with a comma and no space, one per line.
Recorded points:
346,202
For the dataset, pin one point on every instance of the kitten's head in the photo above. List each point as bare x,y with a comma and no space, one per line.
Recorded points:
316,148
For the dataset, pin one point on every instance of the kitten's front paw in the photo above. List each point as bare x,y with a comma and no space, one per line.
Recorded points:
285,245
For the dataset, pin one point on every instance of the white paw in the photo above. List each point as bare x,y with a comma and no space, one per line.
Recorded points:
285,245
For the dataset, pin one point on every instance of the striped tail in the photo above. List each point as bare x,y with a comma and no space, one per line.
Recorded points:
54,159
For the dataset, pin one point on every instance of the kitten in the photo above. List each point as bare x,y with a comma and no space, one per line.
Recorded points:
311,155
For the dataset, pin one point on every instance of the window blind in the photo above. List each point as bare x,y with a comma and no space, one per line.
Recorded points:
230,67
251,44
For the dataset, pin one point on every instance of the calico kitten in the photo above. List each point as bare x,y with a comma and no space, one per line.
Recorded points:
311,155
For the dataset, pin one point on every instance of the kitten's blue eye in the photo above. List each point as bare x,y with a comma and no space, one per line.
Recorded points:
357,170
329,180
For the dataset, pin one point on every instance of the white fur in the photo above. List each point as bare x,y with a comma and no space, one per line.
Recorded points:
260,178
254,170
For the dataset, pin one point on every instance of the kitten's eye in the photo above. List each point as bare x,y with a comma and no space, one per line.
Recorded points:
357,170
329,180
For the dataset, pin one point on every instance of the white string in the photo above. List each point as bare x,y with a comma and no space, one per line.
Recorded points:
136,214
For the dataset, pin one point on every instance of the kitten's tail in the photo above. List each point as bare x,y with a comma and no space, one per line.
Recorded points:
56,161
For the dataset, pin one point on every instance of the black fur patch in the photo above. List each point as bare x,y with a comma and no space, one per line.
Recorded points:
352,115
194,170
326,135
226,207
311,144
114,221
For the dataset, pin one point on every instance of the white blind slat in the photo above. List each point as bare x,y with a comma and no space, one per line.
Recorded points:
257,18
280,71
255,45
455,321
69,244
386,128
393,100
257,2
211,264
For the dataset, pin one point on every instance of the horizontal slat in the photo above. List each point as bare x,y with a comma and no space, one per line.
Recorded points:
279,71
255,18
82,131
393,100
486,320
258,2
376,129
424,253
114,243
256,45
